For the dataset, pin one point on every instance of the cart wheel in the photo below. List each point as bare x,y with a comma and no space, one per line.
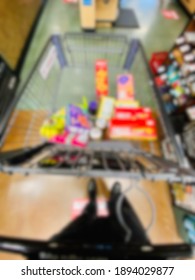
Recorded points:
92,189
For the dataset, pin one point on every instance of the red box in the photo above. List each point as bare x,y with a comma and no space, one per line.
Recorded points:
133,130
101,69
157,60
132,113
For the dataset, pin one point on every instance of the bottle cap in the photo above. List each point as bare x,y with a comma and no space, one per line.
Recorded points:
101,123
95,133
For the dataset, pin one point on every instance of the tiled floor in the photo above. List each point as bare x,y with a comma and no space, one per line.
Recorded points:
155,32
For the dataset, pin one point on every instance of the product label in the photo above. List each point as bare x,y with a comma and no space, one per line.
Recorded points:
193,87
48,63
191,78
190,37
180,40
106,108
161,69
191,113
185,69
185,48
163,77
189,57
125,87
101,78
191,67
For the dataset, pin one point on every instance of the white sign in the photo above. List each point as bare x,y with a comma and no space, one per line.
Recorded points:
48,63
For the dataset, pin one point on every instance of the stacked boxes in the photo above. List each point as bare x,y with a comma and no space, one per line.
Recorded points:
130,121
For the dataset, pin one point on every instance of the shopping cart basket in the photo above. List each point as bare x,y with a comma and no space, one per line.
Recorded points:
63,74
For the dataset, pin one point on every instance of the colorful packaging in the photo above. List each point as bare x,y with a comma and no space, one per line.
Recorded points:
54,125
67,138
133,130
178,56
102,88
127,104
191,113
125,87
77,120
106,108
172,74
132,113
67,127
159,81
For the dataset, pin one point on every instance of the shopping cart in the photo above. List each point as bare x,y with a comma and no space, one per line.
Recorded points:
63,74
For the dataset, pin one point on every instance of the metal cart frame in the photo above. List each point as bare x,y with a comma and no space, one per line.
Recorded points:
64,52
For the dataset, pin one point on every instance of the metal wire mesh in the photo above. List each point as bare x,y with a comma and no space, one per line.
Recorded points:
51,86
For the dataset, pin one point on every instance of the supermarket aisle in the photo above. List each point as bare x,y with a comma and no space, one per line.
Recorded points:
38,206
156,32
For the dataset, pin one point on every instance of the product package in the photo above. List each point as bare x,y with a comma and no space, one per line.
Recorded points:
101,72
77,120
106,108
133,130
132,113
125,87
54,125
125,104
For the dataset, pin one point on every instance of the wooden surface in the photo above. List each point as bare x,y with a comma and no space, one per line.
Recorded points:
189,5
88,15
106,11
16,19
38,206
99,10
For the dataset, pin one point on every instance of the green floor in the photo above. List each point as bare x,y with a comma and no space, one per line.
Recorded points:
155,32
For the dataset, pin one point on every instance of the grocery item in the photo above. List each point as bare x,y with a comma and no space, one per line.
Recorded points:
189,139
133,130
54,125
132,113
93,107
106,108
77,120
101,123
191,113
125,87
101,69
180,40
96,133
84,104
67,138
127,104
190,37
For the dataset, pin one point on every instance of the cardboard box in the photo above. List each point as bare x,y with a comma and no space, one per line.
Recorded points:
125,87
132,113
102,88
133,129
126,104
